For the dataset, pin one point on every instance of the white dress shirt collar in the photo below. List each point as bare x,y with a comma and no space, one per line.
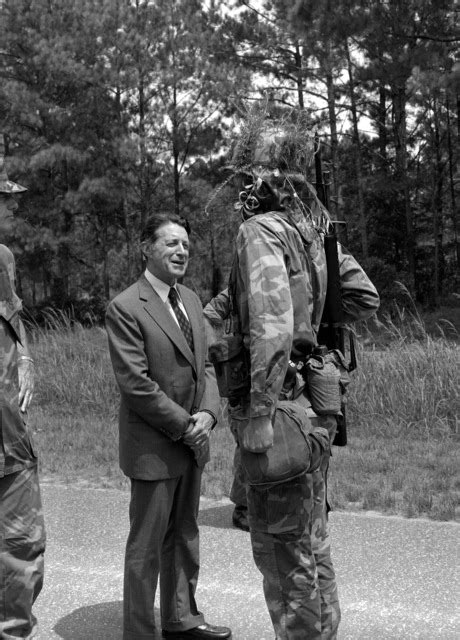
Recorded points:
162,288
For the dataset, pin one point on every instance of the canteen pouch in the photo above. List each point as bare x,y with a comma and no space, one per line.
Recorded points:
326,377
231,364
297,448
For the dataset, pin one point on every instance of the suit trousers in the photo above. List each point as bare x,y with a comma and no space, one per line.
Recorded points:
163,542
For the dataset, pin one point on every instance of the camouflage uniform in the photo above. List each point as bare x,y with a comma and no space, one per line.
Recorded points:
22,533
215,313
280,293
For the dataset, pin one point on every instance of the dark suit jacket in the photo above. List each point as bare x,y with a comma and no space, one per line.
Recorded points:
161,381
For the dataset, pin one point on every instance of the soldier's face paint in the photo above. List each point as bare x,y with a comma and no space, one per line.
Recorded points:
257,196
8,206
167,256
289,187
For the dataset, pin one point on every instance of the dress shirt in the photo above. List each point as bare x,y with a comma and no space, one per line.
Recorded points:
162,288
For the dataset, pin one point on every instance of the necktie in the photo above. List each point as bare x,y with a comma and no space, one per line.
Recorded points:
181,317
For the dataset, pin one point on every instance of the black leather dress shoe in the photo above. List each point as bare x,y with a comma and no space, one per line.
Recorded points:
204,631
240,518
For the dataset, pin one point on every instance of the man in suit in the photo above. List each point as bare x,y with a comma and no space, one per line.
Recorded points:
169,401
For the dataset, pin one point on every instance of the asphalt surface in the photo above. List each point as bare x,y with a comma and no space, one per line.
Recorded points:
398,579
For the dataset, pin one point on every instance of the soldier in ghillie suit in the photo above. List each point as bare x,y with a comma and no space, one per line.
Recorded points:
22,532
275,302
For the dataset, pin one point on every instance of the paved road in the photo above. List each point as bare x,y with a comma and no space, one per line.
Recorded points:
398,579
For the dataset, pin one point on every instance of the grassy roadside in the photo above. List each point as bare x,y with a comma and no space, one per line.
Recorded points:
404,411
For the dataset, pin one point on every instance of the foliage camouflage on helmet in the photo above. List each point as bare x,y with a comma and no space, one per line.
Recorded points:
269,149
285,145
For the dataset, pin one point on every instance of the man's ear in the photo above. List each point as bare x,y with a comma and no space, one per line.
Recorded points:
146,248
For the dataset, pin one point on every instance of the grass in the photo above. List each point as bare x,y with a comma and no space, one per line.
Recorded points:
403,415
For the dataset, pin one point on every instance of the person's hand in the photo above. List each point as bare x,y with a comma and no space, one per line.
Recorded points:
198,430
196,436
258,434
26,375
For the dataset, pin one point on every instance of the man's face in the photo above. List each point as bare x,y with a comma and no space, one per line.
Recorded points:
8,206
167,256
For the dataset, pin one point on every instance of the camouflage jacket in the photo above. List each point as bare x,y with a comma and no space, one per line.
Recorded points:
280,292
15,447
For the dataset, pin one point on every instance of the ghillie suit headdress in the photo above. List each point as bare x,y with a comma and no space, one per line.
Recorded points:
271,159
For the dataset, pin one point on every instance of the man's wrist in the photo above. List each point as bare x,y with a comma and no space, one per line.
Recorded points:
188,429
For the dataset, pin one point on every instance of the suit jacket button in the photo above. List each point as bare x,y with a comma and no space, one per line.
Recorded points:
194,409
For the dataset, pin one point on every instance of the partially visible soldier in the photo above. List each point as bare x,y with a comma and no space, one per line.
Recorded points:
22,531
215,313
278,288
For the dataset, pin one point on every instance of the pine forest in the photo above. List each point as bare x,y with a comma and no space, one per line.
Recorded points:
114,109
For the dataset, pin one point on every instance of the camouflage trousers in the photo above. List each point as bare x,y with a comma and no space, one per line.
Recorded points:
321,546
291,548
22,546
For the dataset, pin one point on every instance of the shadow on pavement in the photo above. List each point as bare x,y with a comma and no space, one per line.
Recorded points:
219,517
98,622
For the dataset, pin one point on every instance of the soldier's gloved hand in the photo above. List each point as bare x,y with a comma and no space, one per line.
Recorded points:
258,434
328,422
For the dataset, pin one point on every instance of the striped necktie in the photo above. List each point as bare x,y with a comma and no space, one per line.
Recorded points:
182,319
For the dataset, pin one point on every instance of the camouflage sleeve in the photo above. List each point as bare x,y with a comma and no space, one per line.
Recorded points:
9,264
218,308
10,303
264,300
215,313
360,299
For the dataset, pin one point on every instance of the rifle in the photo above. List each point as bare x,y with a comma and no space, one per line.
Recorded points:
332,332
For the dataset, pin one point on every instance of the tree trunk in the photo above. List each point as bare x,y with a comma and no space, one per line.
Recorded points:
328,67
299,76
400,137
437,213
175,143
381,125
105,265
334,139
45,281
143,204
358,159
60,281
452,173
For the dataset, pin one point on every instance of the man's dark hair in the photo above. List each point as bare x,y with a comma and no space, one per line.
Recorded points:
157,220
